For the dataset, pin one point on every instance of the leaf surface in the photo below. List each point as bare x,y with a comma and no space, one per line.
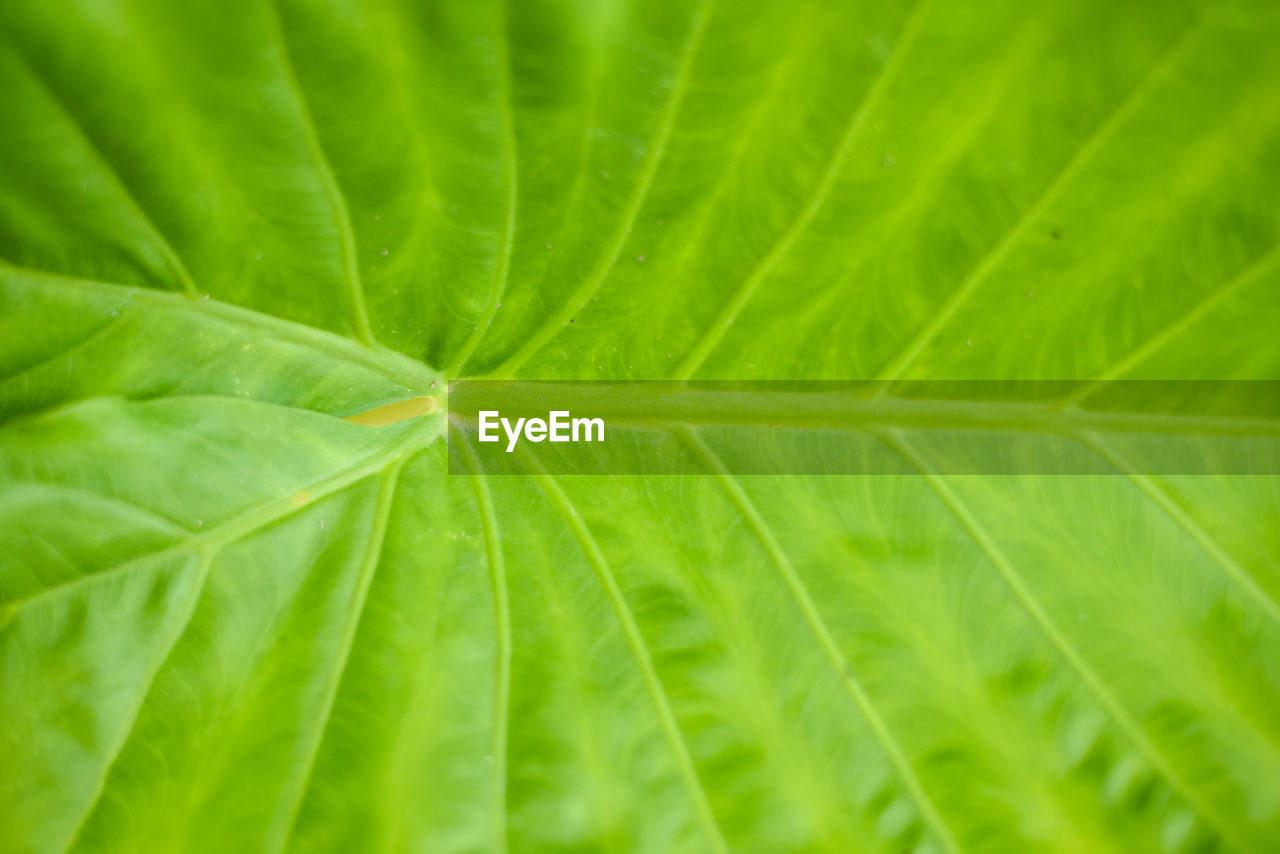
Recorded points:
232,620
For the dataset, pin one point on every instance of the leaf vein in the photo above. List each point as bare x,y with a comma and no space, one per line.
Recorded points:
639,650
502,628
247,523
657,151
1083,154
205,559
510,179
130,201
720,326
368,568
1046,625
385,361
831,649
1160,495
1250,274
328,182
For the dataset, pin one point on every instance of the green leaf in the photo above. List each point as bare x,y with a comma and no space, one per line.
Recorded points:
232,620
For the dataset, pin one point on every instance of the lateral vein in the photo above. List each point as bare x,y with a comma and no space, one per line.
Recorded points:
329,182
381,359
639,650
1160,495
1246,277
510,178
1074,658
368,568
205,559
502,624
170,255
830,648
719,327
657,150
247,523
1083,154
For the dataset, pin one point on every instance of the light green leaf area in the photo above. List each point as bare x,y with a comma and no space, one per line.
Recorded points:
231,621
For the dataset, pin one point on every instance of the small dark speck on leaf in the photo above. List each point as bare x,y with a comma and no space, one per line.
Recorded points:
1057,235
571,320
